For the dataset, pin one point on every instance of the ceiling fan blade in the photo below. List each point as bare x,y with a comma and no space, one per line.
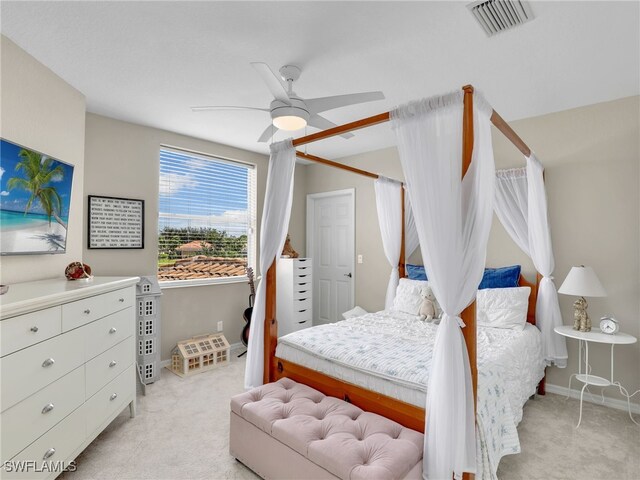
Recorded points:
269,132
273,82
323,124
209,108
322,104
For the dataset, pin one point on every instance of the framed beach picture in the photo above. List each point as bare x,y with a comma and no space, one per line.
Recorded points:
35,196
115,223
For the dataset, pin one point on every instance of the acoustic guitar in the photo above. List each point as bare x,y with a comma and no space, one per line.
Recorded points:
248,311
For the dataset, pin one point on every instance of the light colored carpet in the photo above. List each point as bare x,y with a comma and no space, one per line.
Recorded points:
182,430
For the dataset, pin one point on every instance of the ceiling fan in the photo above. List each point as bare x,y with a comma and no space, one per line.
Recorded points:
289,111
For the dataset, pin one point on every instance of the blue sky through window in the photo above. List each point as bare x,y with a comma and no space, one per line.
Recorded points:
199,192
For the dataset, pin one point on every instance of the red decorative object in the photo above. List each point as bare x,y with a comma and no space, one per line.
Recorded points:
77,271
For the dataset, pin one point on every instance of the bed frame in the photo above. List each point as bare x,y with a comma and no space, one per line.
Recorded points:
405,414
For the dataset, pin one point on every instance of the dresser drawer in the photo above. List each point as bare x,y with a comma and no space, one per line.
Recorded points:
302,271
303,283
108,365
76,314
38,413
299,325
299,280
57,445
27,371
301,315
103,334
110,399
24,330
302,291
301,304
302,262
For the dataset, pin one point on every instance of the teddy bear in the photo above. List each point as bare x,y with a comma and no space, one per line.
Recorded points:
429,306
581,320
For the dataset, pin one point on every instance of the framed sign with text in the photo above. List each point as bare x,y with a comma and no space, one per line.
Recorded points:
115,223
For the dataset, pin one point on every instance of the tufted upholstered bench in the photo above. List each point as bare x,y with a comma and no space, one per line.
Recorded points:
286,430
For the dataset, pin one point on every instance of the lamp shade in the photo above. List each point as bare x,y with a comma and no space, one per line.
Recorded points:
583,282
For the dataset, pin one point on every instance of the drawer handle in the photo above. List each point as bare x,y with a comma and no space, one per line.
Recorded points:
121,300
47,408
49,453
87,311
300,311
113,396
112,363
48,362
112,330
302,322
34,329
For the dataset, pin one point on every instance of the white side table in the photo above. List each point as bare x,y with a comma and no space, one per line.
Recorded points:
584,374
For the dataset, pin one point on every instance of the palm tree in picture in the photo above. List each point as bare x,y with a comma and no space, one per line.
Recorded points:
39,172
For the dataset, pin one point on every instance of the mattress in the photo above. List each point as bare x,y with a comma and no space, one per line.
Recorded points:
390,352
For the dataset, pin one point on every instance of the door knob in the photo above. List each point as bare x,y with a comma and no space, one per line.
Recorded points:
348,275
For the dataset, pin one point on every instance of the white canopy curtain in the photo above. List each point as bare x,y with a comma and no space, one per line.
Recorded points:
521,206
389,206
273,233
453,219
411,241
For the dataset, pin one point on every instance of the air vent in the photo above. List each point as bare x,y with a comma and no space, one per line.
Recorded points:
495,16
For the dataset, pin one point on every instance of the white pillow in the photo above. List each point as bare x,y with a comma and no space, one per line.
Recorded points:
357,311
503,307
408,299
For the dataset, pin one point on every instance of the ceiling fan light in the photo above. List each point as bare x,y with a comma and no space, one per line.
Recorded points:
289,117
289,122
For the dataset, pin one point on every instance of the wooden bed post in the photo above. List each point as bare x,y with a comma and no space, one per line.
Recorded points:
270,326
468,315
401,268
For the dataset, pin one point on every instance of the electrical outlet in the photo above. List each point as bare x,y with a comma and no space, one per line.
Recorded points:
359,258
220,326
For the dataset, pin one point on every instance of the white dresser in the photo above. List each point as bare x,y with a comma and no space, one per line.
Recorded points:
294,294
67,369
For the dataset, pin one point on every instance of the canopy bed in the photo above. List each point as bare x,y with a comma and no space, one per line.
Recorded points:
446,208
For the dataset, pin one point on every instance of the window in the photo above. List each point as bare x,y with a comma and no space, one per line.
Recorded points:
207,216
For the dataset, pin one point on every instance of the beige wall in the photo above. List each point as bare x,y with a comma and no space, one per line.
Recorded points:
122,160
40,111
297,224
592,159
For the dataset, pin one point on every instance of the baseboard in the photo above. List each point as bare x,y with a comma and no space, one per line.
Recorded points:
235,347
594,398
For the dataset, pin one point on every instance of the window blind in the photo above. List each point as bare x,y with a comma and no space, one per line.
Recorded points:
206,224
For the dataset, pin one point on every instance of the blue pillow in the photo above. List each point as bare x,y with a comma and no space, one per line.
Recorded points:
504,277
416,272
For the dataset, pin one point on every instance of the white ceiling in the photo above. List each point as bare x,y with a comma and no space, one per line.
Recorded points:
148,62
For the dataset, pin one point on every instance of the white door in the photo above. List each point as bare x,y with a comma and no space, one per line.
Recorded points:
331,244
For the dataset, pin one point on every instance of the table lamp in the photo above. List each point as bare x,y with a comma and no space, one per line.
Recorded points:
583,282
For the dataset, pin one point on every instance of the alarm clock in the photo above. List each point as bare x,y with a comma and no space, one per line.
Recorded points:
609,325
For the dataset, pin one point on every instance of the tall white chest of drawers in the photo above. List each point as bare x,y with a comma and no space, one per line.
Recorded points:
294,301
67,369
